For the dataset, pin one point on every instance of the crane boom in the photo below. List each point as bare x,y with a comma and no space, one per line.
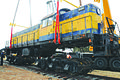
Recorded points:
106,16
106,7
107,13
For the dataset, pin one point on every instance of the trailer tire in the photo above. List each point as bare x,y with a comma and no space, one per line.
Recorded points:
101,63
114,64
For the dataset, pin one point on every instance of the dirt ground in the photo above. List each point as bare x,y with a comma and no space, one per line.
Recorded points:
8,72
11,73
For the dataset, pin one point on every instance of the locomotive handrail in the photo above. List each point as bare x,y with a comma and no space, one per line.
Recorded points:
22,37
79,19
72,25
33,39
34,34
75,20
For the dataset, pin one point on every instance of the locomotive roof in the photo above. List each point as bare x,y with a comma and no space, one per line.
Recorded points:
68,10
63,9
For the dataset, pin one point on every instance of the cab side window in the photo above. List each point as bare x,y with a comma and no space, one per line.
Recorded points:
47,22
44,22
50,19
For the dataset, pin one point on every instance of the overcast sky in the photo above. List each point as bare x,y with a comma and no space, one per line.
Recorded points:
39,10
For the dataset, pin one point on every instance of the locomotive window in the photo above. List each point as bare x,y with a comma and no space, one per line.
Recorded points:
50,19
81,8
62,12
44,22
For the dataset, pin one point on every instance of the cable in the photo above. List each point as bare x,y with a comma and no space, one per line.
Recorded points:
13,23
55,6
16,11
30,13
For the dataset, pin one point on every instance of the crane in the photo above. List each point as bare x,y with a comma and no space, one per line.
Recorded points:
106,17
106,52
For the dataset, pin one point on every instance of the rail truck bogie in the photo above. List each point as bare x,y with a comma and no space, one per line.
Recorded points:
59,63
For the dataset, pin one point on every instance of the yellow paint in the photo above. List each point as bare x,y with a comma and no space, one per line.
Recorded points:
30,36
14,54
46,30
19,39
23,38
79,22
119,40
107,13
91,48
36,34
15,40
12,40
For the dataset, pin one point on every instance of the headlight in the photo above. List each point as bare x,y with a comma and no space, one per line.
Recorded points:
98,11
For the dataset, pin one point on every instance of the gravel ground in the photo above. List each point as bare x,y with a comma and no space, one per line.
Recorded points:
8,72
11,73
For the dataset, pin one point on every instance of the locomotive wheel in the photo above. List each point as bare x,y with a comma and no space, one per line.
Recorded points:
101,63
72,69
43,65
114,64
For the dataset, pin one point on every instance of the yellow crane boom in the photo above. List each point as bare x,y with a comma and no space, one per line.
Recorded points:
107,13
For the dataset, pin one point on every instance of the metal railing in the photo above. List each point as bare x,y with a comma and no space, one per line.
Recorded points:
23,42
71,22
61,26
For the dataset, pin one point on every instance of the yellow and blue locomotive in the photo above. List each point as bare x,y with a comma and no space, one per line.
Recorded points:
74,25
76,29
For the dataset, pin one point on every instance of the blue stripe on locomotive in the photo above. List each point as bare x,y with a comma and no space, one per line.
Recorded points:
73,13
51,36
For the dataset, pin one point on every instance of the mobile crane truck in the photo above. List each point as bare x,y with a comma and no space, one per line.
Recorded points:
105,47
